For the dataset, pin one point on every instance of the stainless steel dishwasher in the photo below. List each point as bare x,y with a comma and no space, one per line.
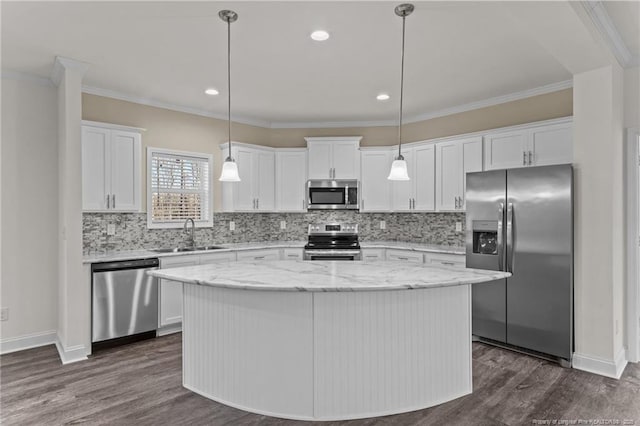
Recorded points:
124,302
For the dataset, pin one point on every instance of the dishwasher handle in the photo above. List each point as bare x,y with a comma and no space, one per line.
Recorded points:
125,264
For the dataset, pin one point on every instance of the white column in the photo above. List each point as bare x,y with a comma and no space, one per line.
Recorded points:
73,291
599,220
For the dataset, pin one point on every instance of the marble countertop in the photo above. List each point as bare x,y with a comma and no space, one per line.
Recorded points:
324,276
111,256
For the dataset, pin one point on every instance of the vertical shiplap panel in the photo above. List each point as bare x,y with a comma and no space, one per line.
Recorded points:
250,349
390,351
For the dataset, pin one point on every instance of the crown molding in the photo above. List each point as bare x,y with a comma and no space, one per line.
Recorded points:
62,64
107,93
21,76
610,34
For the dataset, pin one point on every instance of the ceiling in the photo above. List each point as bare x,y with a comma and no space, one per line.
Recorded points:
167,53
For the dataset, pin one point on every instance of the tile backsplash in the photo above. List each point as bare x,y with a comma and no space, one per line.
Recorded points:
132,233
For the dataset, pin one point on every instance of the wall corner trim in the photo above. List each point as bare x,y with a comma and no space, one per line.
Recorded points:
27,341
61,64
70,354
604,367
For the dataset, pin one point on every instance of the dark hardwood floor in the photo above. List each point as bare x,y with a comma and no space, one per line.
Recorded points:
140,384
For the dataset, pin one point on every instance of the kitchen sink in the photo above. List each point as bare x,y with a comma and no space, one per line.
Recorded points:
185,249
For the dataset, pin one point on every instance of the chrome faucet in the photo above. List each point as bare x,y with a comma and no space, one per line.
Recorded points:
191,240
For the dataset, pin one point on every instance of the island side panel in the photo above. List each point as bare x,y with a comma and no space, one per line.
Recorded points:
252,350
384,352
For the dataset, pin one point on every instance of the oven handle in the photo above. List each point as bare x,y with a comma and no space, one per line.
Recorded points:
333,252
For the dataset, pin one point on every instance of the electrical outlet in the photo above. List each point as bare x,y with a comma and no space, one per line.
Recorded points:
232,225
4,314
111,229
458,226
383,224
283,224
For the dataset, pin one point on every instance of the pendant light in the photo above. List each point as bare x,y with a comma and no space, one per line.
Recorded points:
399,165
229,167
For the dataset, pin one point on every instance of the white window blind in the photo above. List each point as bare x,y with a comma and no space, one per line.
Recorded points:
179,188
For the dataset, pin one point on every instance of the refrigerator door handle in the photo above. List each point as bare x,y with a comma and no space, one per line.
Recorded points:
510,234
500,242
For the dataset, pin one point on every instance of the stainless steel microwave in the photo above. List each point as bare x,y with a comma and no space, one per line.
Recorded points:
333,194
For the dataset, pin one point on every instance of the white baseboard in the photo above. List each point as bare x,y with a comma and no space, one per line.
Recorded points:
604,367
72,353
169,329
28,341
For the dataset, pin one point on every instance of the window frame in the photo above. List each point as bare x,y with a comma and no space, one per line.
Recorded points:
151,224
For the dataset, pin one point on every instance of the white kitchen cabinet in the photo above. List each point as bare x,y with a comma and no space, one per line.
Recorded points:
333,157
258,255
292,254
291,177
405,255
445,259
418,193
256,189
373,254
454,159
537,145
170,292
110,168
375,188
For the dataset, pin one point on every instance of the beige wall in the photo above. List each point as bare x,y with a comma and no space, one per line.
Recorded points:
632,98
178,130
29,208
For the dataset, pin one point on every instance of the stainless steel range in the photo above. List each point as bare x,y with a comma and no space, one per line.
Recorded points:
333,241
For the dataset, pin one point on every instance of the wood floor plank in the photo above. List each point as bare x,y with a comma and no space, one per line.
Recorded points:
141,384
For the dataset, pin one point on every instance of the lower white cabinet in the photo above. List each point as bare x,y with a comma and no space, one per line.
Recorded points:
445,259
170,292
268,254
405,255
372,254
292,254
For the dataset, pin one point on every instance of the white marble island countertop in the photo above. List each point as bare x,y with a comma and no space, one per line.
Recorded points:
323,276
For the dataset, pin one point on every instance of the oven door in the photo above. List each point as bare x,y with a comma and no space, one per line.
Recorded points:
317,254
327,198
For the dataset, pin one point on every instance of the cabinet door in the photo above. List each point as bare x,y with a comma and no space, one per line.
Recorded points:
405,256
445,259
425,178
265,182
95,156
319,160
471,152
374,186
505,150
125,171
448,175
402,191
243,191
373,254
551,144
292,254
291,176
346,160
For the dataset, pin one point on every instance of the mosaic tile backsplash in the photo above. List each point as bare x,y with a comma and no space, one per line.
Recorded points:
132,233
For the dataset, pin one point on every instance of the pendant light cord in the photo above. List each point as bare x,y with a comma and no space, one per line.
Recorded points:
229,85
401,92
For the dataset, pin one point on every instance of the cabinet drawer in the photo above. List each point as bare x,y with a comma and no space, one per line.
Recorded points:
206,259
405,256
269,254
372,255
444,259
292,254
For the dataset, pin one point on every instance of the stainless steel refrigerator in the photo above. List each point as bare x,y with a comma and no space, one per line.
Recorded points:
521,221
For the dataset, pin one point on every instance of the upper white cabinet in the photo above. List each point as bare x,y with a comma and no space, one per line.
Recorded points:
418,193
333,157
291,176
375,188
110,168
256,189
532,146
454,159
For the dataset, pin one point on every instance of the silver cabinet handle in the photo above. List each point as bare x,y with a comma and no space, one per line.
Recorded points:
254,203
460,203
524,158
403,258
113,200
409,203
258,257
530,155
414,203
258,203
500,248
108,204
510,237
447,263
456,202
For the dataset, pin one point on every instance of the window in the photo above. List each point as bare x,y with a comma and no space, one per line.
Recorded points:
178,187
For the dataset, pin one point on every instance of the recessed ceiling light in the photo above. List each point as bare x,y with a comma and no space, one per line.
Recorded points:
211,92
382,97
320,35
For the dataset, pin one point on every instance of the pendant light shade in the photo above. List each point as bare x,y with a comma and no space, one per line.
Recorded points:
229,167
399,165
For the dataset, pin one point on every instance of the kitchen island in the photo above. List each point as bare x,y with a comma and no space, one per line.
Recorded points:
327,340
